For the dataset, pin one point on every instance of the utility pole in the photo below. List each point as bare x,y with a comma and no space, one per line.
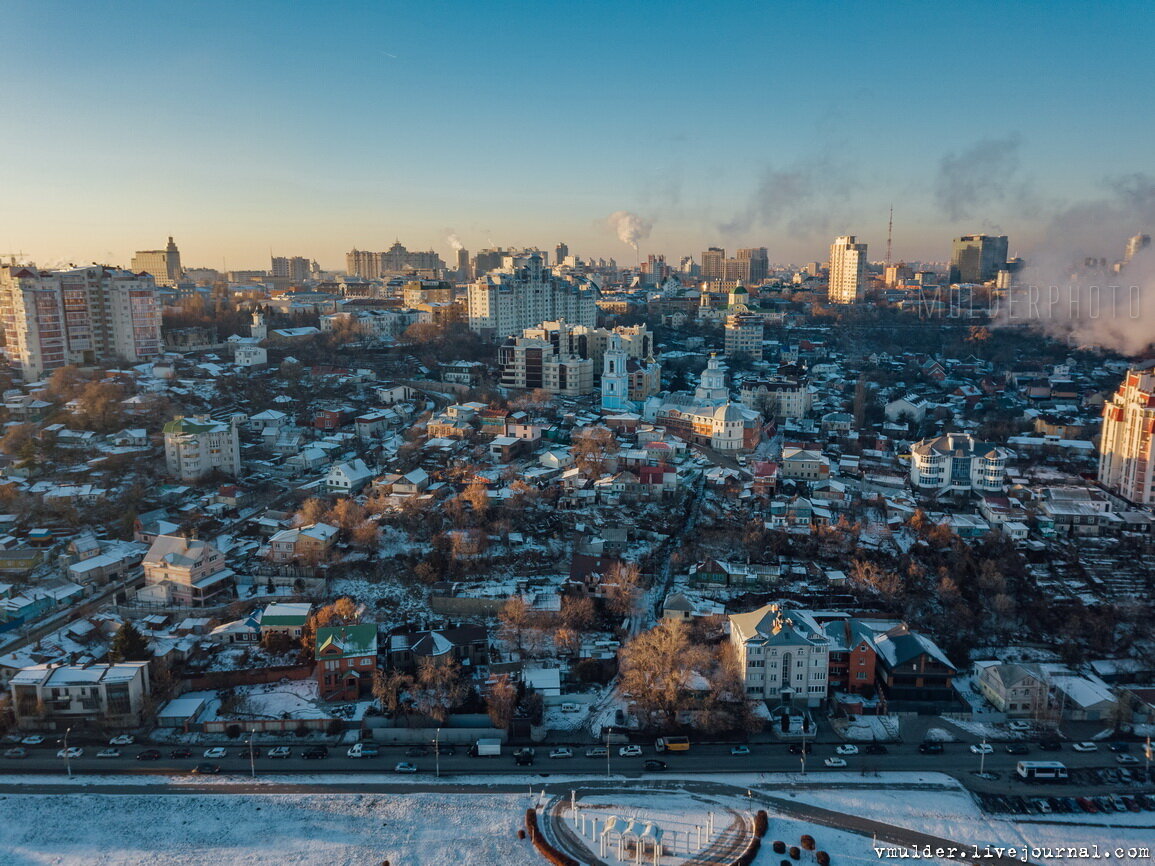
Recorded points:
437,753
252,755
67,754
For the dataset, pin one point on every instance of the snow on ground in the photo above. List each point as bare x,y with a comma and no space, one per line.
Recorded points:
989,730
955,816
295,829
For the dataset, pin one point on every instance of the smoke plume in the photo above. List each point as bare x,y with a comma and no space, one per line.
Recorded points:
630,227
803,197
1075,284
455,242
982,173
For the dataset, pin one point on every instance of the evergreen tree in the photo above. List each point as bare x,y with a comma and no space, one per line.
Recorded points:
129,645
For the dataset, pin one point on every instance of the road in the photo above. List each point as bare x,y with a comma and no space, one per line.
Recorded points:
956,761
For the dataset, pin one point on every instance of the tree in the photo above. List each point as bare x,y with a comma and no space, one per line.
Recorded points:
389,687
656,668
477,496
514,617
346,514
592,449
577,612
501,701
438,688
621,586
312,511
129,645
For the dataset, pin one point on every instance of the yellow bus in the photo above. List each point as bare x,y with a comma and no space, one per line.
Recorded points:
672,744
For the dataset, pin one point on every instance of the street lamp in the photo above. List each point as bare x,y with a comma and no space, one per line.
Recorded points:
437,752
983,758
252,754
67,754
607,752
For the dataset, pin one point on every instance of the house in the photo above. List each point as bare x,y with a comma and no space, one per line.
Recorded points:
374,424
311,544
912,671
852,657
348,477
246,630
57,697
333,419
909,407
1015,689
784,654
185,572
468,645
286,618
346,659
804,464
270,419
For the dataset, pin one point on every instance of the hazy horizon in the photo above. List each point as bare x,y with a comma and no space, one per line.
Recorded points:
257,128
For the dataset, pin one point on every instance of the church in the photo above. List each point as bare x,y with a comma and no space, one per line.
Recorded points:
706,416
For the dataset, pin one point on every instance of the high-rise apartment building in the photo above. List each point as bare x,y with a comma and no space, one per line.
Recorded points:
298,269
194,447
757,265
847,270
77,316
560,252
397,259
1127,442
523,293
164,265
713,261
464,270
743,333
977,258
1135,244
488,260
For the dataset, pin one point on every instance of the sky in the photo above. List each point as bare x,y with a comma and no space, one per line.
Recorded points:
308,128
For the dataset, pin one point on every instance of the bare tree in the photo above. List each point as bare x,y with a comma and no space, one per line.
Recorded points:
501,701
657,667
514,617
621,586
438,688
577,612
389,687
592,449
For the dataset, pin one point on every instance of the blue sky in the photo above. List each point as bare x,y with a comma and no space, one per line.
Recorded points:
311,127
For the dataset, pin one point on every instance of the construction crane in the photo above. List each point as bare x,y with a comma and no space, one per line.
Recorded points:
12,257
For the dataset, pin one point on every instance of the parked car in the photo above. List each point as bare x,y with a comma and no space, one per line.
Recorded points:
16,752
405,767
148,755
416,752
654,764
182,752
206,769
739,750
561,752
32,740
597,752
122,740
216,752
1085,747
571,708
630,751
876,749
1019,726
314,752
982,748
930,748
846,749
796,748
250,751
1051,746
1087,804
524,757
446,750
280,752
71,752
1018,749
1126,759
835,762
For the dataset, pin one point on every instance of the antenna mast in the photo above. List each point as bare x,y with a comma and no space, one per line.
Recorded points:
889,235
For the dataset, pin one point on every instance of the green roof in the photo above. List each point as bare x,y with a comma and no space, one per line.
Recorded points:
349,640
187,425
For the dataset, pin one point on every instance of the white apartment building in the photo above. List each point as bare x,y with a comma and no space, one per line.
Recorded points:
523,293
847,270
956,462
162,265
111,695
194,447
743,334
1127,443
778,397
784,653
77,316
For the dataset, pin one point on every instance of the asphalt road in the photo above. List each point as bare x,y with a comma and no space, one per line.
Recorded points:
956,760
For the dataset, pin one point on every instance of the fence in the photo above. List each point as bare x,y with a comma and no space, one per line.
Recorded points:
228,679
263,725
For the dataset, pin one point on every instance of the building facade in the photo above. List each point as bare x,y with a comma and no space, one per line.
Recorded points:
186,572
1127,441
194,447
957,462
784,654
58,697
523,293
346,659
162,265
977,258
847,270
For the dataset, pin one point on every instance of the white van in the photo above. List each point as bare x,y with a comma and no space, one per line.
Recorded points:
363,750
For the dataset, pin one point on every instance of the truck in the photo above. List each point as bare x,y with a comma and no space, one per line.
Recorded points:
486,748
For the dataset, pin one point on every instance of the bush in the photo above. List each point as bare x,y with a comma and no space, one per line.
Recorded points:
785,863
779,846
544,848
823,858
761,823
520,832
233,731
807,842
794,852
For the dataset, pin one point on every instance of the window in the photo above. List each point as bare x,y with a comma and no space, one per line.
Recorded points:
861,675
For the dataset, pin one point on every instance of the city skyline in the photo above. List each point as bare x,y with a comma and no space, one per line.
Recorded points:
262,130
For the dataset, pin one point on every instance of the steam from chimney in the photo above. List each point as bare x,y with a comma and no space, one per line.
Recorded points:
455,242
979,175
630,227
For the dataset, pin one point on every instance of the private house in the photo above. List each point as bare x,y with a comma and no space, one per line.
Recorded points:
912,671
56,697
785,655
348,477
468,645
346,659
852,657
1018,690
185,572
286,618
310,544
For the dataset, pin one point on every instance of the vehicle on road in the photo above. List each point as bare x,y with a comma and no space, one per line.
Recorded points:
16,752
835,762
672,744
524,757
846,749
1019,726
405,767
122,740
930,747
630,751
250,751
416,752
561,752
1018,749
1126,759
71,752
362,750
571,708
180,753
1041,771
1118,746
485,748
216,752
1050,746
315,752
1085,747
206,769
597,752
32,740
110,752
739,750
148,755
796,748
654,764
982,749
280,752
876,749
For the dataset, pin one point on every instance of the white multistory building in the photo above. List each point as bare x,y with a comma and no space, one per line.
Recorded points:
784,653
194,447
162,265
52,318
847,270
955,461
523,293
1127,442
